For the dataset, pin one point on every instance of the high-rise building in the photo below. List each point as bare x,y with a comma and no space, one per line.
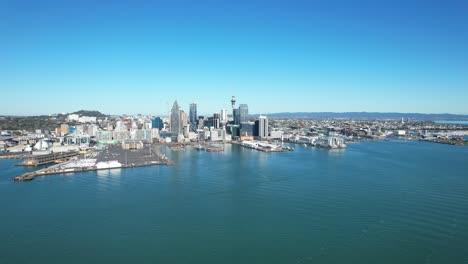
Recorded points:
236,116
184,119
216,120
176,126
243,113
193,116
223,116
157,123
263,127
247,129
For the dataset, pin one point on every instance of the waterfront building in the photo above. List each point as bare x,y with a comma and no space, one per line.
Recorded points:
175,124
157,123
78,137
235,131
246,130
132,144
276,134
218,135
263,127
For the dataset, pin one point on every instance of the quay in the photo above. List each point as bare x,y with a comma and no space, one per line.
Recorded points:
114,157
10,156
54,170
263,146
48,158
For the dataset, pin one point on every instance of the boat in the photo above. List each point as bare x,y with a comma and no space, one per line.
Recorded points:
214,149
199,147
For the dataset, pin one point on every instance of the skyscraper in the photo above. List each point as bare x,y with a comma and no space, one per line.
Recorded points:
243,113
223,115
216,120
263,127
176,128
236,116
193,114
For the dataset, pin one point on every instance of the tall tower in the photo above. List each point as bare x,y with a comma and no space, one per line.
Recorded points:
243,113
233,103
193,118
263,127
175,120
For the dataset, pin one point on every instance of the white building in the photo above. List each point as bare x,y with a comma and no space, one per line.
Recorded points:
92,130
218,135
276,134
223,116
87,119
73,117
263,127
104,135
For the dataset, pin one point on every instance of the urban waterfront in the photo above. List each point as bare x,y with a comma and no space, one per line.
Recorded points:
396,201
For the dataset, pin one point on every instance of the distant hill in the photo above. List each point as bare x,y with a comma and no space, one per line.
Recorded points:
89,113
367,115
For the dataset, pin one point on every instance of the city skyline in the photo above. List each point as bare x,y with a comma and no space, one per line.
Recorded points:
295,57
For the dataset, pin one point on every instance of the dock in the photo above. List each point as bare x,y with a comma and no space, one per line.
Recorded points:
48,158
114,157
53,171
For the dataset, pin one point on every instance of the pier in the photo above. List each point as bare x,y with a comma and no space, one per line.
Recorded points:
114,157
49,158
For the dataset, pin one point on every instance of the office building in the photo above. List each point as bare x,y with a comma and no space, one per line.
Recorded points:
193,116
223,116
216,120
263,127
243,113
176,124
157,123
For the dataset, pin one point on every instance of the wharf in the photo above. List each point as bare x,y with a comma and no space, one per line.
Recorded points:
48,171
48,158
263,146
10,156
110,158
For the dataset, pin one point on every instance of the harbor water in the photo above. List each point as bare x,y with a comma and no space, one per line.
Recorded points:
374,202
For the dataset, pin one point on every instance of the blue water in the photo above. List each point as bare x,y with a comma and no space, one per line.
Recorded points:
375,202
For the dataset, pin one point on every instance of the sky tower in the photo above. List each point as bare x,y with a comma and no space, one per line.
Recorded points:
233,102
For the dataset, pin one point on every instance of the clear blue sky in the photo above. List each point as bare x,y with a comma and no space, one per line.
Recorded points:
138,56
